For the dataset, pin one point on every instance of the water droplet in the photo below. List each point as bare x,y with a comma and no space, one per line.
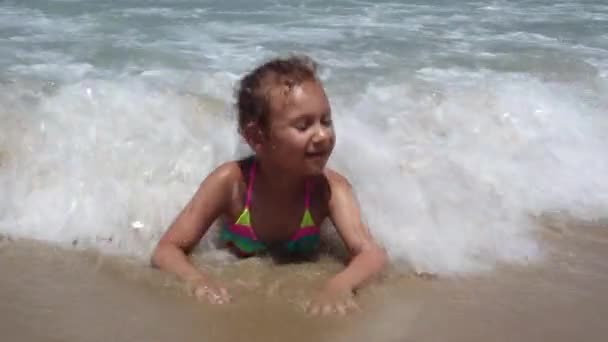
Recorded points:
137,224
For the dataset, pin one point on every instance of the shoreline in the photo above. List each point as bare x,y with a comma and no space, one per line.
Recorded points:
51,294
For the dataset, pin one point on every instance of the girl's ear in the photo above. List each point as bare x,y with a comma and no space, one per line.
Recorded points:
254,136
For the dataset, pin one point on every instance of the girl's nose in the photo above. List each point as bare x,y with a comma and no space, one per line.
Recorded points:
321,133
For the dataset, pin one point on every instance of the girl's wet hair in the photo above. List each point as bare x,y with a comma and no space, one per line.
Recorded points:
254,92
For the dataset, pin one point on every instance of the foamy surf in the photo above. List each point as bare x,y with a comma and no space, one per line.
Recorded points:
455,132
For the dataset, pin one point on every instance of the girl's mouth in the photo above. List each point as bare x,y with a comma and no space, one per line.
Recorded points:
321,154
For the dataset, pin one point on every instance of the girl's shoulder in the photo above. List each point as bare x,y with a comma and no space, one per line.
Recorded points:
232,172
227,183
329,182
332,181
335,179
230,175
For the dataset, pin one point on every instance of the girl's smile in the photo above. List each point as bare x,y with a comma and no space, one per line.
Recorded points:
301,133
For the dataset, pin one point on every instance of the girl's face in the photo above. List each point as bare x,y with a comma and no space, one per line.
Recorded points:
300,132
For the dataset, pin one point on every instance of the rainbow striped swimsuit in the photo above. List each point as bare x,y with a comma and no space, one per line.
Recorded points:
242,238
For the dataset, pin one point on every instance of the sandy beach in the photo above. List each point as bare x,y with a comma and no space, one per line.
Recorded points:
55,294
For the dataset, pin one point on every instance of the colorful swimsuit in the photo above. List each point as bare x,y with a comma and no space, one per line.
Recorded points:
241,236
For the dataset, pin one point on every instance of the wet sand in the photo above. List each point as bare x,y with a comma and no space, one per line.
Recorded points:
52,294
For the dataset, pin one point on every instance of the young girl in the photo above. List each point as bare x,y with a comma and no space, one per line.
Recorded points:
276,200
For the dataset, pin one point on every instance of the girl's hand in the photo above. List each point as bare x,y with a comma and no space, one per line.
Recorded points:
210,291
333,299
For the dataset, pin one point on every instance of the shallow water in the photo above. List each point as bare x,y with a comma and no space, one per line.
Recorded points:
52,294
455,121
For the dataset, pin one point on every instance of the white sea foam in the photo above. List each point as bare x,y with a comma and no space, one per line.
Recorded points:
464,169
115,174
447,179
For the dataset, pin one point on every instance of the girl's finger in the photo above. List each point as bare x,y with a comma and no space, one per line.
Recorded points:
314,310
352,305
214,298
327,309
306,306
225,295
200,292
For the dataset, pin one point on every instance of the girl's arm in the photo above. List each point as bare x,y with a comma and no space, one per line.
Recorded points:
208,203
367,257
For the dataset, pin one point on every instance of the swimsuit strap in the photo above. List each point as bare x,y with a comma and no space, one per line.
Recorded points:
308,190
250,184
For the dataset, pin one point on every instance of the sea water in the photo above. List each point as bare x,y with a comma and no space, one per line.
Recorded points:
458,122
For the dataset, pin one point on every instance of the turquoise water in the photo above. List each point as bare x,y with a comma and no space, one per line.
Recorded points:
457,121
376,38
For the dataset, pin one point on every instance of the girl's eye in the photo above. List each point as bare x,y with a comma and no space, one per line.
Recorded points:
301,126
327,121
